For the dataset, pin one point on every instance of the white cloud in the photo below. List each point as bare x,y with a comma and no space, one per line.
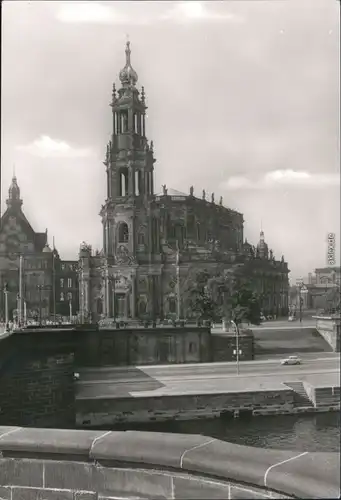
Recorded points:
197,11
279,178
100,13
89,13
45,147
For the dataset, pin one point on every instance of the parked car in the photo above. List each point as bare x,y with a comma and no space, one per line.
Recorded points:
291,360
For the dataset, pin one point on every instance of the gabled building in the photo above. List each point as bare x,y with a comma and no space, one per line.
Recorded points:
41,266
153,242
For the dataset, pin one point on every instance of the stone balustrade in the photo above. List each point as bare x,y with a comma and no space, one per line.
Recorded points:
53,464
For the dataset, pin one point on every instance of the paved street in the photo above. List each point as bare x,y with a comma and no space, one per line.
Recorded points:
203,378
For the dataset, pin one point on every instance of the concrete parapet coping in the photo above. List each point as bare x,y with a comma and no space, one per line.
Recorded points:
336,319
289,473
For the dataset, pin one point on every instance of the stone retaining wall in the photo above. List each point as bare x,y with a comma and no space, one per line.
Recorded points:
329,328
144,346
37,379
40,464
108,411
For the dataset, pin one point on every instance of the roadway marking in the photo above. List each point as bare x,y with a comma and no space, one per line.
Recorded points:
176,366
280,463
204,376
192,449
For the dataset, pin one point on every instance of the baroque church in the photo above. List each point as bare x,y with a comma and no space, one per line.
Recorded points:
155,242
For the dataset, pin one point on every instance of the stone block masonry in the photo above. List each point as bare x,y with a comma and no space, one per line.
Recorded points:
55,464
37,379
144,346
109,411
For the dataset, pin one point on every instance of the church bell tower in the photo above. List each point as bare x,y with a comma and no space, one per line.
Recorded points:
129,165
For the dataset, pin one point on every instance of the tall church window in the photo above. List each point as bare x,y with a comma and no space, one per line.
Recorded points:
123,182
142,306
172,233
136,123
115,124
123,233
150,174
124,121
191,225
172,305
138,182
140,238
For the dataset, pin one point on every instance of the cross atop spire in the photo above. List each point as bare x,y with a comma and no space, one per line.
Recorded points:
128,75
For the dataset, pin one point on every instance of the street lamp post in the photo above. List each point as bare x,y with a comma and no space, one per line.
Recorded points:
300,285
41,288
6,306
25,313
238,351
112,282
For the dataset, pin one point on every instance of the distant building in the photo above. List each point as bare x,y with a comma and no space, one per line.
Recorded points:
154,242
42,268
319,284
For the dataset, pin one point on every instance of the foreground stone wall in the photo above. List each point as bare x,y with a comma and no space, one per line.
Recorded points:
108,411
37,379
91,465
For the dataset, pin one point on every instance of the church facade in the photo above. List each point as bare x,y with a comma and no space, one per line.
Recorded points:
49,284
155,242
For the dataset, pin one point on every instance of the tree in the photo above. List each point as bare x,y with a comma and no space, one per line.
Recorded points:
226,295
200,298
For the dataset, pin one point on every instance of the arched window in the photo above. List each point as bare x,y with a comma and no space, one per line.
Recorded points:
191,225
123,233
140,238
123,182
192,348
138,182
62,297
142,307
124,121
99,306
150,174
171,304
136,123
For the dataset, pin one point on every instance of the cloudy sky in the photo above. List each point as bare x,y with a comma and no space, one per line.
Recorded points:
243,101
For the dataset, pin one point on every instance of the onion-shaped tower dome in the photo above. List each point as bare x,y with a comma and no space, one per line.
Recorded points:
128,75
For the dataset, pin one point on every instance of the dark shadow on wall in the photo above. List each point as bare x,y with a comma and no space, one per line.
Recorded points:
114,383
289,341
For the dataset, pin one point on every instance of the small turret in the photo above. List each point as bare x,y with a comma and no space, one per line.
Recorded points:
14,199
262,247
